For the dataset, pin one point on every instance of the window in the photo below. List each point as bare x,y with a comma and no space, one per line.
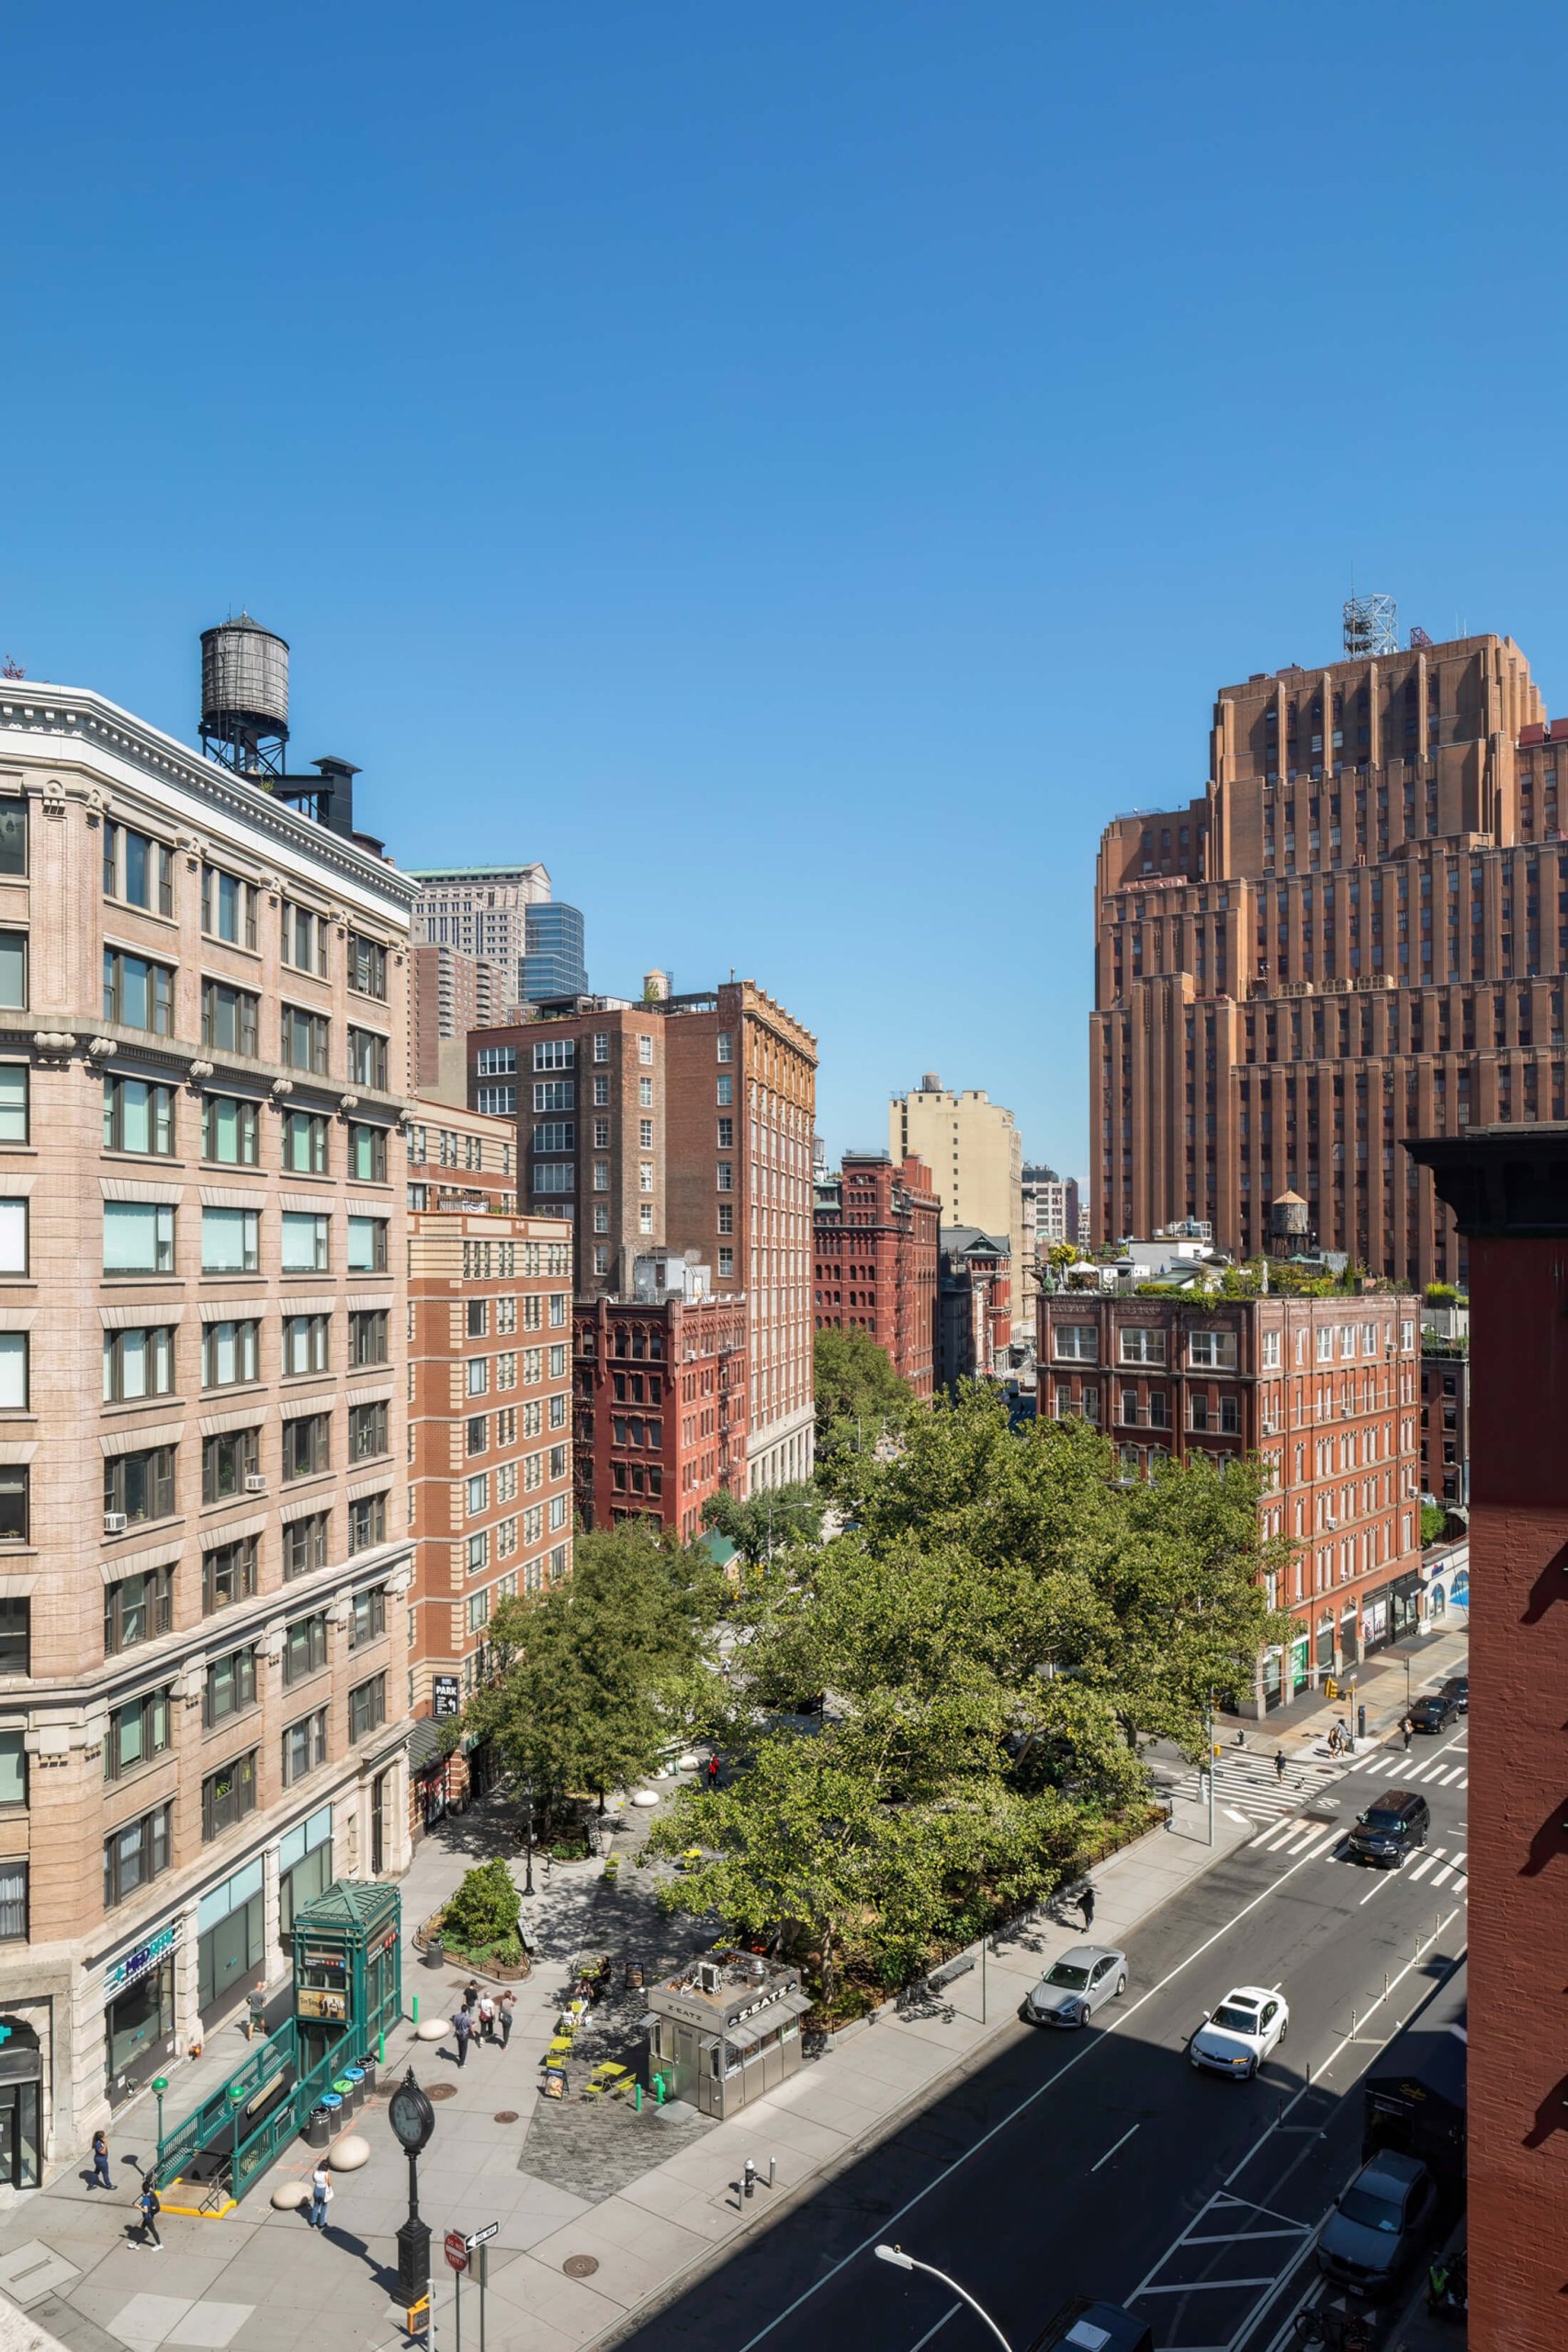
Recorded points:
305,1344
138,1609
726,1176
231,1241
478,1433
138,1238
229,1353
137,993
366,967
478,1496
500,1102
725,1047
137,1116
227,908
367,1431
366,1707
136,1732
367,1245
304,1746
13,1237
14,1099
228,1795
368,1153
601,1044
304,940
554,1053
307,1444
725,1090
304,1243
727,1216
479,1552
136,1853
140,1486
227,1461
369,1622
726,1261
554,1135
229,1018
304,1038
139,1364
1076,1342
368,1058
556,1094
304,1647
367,1522
137,869
305,1544
15,1638
476,1376
230,1686
1141,1346
1271,1351
231,1130
229,1574
304,1143
13,1370
496,1061
1211,1351
645,1097
478,1610
13,837
645,1049
367,1336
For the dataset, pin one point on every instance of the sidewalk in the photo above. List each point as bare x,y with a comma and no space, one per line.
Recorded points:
1380,1688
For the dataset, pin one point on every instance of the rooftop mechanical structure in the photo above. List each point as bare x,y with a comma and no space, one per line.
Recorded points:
244,696
1371,626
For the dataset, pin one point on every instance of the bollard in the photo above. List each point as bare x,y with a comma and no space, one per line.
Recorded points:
749,2178
658,2090
1385,1983
380,2050
1352,2024
638,2100
772,2170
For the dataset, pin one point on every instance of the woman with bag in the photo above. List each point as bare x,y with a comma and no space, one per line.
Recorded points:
321,2197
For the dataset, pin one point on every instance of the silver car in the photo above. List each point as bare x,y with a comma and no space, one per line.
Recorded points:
1081,1982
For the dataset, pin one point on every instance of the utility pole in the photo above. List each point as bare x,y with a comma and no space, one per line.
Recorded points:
1210,1736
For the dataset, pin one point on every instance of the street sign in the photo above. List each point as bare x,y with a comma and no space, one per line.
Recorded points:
456,2249
483,2237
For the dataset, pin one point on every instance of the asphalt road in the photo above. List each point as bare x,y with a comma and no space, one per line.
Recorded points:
1102,2162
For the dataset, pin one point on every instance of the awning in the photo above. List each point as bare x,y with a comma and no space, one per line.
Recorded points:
796,2003
427,1746
746,2036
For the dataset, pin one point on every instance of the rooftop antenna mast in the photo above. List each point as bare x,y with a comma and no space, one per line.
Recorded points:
1371,626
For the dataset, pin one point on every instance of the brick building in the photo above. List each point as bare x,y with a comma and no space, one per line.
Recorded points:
488,1334
974,1316
1359,932
1508,1187
661,1400
203,1520
973,1158
1325,1389
449,993
1445,1420
876,1251
680,1125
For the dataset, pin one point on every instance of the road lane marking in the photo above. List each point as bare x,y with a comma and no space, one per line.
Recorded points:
1444,1875
1111,2152
1307,1837
1275,1836
1245,1819
1451,1776
1246,2237
1206,2286
1465,1782
952,2313
1420,1869
1382,1880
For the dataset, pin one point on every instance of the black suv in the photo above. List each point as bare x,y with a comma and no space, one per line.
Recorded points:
1434,1713
1390,1829
1457,1688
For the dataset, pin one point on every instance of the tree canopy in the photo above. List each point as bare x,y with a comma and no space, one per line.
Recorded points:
860,1398
760,1525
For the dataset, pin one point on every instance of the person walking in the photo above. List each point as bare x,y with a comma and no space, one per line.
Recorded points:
1278,1764
320,2196
470,1994
1086,1905
1405,1729
713,1774
101,2161
463,2025
149,2205
503,2017
485,2013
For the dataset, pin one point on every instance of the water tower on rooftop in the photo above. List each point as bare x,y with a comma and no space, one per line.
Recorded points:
244,696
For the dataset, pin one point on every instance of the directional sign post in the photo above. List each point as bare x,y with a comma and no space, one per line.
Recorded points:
457,2256
481,2239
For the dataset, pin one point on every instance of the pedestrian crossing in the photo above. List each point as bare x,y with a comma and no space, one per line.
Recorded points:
1442,1771
1246,1784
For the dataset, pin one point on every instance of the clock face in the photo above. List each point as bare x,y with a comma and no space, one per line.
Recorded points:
411,2115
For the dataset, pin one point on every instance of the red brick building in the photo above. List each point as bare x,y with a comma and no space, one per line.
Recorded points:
659,1384
1325,1389
973,1304
1507,1188
1445,1420
877,1250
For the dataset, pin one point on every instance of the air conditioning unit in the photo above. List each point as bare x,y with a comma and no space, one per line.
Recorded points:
254,1483
114,1522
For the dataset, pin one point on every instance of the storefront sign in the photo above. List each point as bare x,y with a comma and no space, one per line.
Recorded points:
121,1973
332,1959
309,2002
444,1695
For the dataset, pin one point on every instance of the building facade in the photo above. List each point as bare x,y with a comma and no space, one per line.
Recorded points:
204,1534
974,1319
877,1254
481,911
661,1411
1445,1420
1358,933
1050,1208
970,1151
1327,1390
553,963
450,993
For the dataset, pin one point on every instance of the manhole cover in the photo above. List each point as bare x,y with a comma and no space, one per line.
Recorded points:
442,2090
581,2266
507,2115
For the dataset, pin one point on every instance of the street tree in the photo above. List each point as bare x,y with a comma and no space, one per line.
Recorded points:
860,1398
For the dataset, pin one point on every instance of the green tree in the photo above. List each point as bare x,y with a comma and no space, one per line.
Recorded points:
480,1919
860,1398
1434,1519
760,1525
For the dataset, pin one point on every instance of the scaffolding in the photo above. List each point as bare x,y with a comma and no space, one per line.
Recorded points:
1371,626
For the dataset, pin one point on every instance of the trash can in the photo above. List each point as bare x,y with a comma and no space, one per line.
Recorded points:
331,2107
367,2068
344,2090
359,2086
318,2130
434,1953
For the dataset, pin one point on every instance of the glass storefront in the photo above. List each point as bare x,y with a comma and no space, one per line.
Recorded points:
1326,1645
21,2085
229,1926
1404,1605
304,1867
1299,1672
139,2027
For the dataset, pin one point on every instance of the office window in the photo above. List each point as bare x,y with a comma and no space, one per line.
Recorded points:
305,1344
496,1061
554,1053
305,1544
369,1622
13,837
137,1853
645,1049
138,1362
140,1486
725,1090
13,1102
367,1336
727,1216
366,967
231,1131
228,1795
726,1176
228,1574
304,1746
368,1058
304,1647
479,1552
500,1102
726,1261
138,1238
227,1461
304,1143
305,1039
137,1731
367,1245
555,1094
231,1241
138,869
137,993
304,1243
366,1707
307,1444
367,1522
138,1609
231,1353
137,1116
304,940
367,1431
230,1018
726,1045
227,908
368,1153
230,1686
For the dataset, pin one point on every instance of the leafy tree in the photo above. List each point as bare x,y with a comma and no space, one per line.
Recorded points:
1434,1519
759,1525
859,1394
480,1918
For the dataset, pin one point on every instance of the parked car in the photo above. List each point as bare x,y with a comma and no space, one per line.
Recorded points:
1236,2038
1084,2325
1457,1688
1436,1712
1082,1981
1372,2236
1395,1826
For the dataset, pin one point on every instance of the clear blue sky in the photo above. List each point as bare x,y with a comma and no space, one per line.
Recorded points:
796,470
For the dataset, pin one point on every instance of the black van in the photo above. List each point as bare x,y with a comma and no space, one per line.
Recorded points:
1391,1828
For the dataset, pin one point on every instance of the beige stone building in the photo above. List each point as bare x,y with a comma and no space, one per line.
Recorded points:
204,1542
970,1147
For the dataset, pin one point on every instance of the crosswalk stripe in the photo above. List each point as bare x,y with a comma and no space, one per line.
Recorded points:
1420,1869
1276,1838
1304,1839
1444,1875
1463,1782
1327,1846
1451,1776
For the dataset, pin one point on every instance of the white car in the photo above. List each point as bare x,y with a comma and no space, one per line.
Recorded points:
1234,2039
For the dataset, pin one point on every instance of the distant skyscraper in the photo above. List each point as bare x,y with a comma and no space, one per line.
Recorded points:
552,957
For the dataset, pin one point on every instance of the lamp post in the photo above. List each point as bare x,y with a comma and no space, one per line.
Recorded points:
528,1841
902,2261
160,2085
412,2120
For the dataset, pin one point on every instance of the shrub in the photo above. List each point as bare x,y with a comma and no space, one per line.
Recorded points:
482,1915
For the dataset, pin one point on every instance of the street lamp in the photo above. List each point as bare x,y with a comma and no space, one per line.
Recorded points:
528,1841
412,2120
902,2261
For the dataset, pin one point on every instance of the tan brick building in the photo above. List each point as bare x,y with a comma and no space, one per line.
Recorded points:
971,1151
1359,932
204,1552
449,994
